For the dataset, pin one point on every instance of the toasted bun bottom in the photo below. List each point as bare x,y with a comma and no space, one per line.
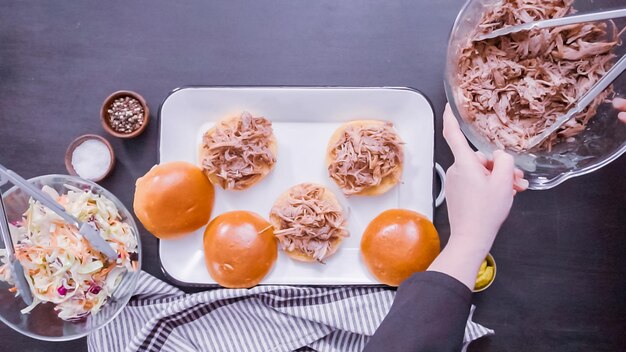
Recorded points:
202,154
276,221
387,182
303,257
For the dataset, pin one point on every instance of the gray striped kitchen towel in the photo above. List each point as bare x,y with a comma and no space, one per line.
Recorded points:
161,317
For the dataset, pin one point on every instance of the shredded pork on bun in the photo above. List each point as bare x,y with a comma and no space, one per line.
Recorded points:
365,157
308,222
239,151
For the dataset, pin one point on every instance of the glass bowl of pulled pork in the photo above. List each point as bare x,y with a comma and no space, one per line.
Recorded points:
75,288
506,90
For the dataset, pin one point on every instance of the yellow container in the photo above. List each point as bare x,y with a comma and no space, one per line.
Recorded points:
490,263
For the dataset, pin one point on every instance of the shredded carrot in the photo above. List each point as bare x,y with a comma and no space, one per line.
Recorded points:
103,273
13,289
84,241
120,244
62,200
123,254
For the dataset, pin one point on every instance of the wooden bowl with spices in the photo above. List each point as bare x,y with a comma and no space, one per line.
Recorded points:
124,114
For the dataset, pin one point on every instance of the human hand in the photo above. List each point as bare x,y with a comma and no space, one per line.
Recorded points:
479,196
620,104
479,191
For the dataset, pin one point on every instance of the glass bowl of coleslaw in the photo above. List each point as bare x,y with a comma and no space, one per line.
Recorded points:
75,288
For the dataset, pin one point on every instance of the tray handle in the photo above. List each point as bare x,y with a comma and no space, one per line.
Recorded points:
442,178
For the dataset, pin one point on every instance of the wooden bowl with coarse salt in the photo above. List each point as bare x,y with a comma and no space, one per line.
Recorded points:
124,114
90,156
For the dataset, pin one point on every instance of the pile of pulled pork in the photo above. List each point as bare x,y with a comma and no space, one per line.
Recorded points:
238,151
362,157
515,86
308,221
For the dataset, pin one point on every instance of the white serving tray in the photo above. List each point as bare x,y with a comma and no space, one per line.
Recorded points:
303,120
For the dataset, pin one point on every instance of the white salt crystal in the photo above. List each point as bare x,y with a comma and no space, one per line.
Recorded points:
91,159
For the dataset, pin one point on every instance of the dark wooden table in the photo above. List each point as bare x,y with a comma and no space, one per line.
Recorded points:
561,255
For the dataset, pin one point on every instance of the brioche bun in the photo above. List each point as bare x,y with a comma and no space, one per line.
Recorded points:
284,200
239,249
251,181
173,199
387,182
398,243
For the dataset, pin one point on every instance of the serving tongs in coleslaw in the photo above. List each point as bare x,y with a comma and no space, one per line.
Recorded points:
16,267
90,233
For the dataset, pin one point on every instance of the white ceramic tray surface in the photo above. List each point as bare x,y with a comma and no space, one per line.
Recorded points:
303,120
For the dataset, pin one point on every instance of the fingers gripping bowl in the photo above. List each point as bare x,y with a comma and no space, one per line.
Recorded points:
587,146
45,321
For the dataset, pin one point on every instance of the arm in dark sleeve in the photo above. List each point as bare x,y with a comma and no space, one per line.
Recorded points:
429,313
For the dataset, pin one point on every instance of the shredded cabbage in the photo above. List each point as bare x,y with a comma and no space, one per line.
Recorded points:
61,267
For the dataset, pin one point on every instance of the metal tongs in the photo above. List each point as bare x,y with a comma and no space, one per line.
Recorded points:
554,22
16,267
90,233
584,101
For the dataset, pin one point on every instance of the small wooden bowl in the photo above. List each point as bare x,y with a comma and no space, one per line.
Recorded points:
104,115
78,141
490,262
